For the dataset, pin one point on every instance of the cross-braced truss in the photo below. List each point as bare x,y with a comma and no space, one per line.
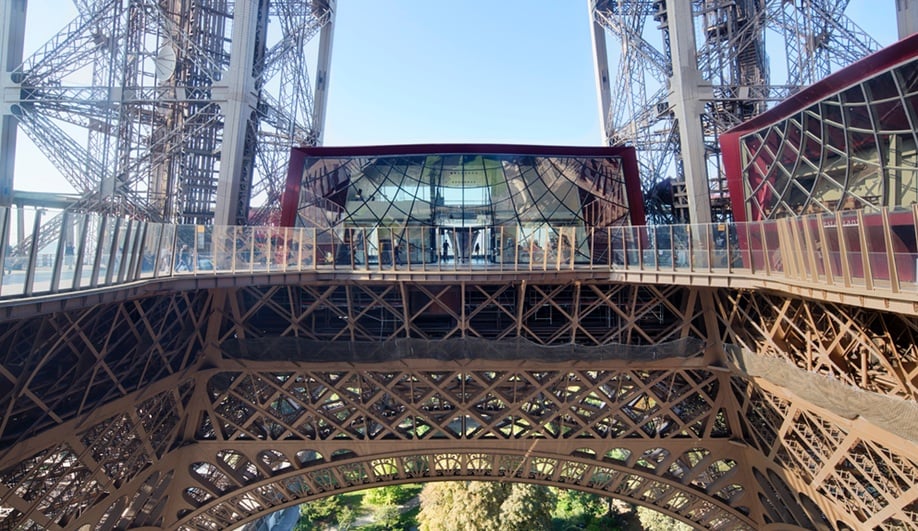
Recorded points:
875,351
740,78
207,409
138,103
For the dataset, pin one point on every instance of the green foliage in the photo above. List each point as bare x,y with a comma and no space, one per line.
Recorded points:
319,513
574,504
527,507
576,510
485,506
346,518
392,495
657,521
332,511
387,516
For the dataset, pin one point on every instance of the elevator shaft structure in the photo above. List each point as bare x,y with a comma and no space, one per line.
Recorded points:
673,104
171,110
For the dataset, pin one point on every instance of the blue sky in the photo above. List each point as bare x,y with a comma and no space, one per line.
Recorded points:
515,71
406,71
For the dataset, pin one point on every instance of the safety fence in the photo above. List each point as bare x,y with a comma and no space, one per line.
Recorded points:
876,251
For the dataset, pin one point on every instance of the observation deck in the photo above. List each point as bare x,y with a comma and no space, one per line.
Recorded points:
818,256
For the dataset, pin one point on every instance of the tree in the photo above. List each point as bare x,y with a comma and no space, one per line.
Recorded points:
391,495
527,507
484,506
346,518
320,513
657,521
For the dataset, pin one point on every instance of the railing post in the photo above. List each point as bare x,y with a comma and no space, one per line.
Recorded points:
252,250
4,239
137,262
890,252
123,250
728,249
843,250
750,257
764,239
672,248
865,251
233,249
112,253
624,249
33,254
810,248
609,247
785,243
827,262
500,249
640,248
97,255
59,253
710,244
690,238
592,246
573,248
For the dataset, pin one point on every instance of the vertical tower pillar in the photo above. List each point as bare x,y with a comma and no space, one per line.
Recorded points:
237,152
907,17
12,36
320,99
601,67
686,100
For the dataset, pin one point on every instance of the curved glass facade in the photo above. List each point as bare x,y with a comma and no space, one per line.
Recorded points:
847,143
429,203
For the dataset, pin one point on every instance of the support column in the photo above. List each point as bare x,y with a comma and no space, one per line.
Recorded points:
12,36
320,98
907,17
237,152
687,100
601,67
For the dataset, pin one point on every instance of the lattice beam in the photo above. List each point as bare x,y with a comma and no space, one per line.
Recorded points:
876,351
206,409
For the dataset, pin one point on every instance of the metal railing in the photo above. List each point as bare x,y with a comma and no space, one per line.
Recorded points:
844,250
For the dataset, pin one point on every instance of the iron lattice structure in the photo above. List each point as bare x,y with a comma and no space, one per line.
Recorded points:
207,408
175,109
743,56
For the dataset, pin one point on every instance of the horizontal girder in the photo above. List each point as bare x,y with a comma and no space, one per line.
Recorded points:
207,408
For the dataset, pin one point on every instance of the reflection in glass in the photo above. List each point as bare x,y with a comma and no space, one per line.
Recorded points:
396,209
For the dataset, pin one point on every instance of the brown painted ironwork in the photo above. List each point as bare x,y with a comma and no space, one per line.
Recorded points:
208,408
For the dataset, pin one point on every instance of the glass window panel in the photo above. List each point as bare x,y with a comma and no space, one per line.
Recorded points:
827,190
772,143
831,112
45,257
891,116
791,146
881,86
854,94
72,248
907,75
102,254
858,117
150,250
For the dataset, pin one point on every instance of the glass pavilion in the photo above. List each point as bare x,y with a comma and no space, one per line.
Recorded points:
845,143
462,203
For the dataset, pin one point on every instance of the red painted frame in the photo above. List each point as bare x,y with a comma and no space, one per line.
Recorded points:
298,155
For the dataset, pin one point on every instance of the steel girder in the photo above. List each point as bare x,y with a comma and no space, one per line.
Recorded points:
207,409
144,136
871,350
731,60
